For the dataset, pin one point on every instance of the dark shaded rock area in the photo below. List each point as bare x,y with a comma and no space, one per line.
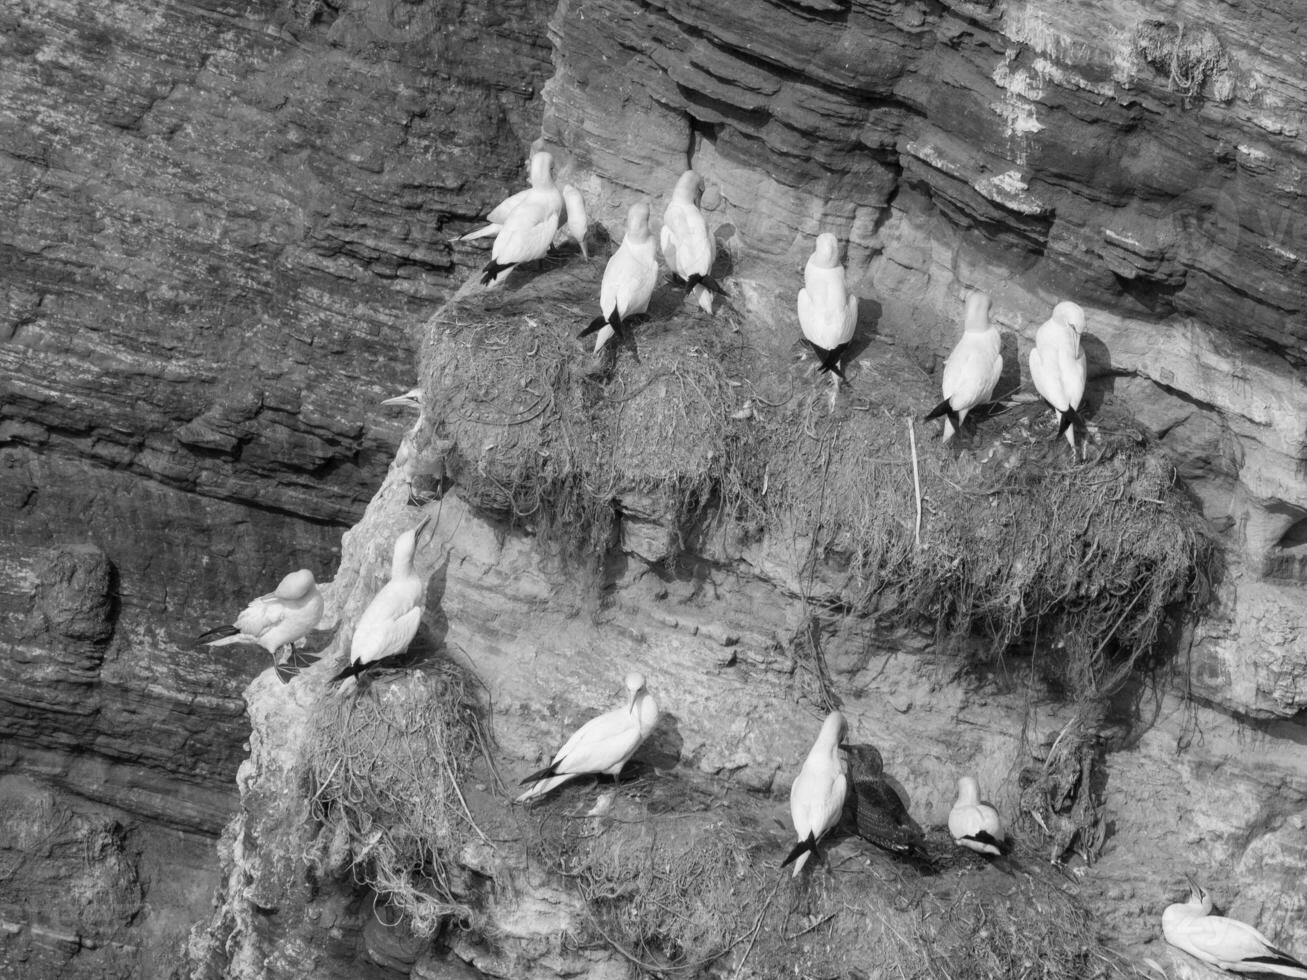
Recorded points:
219,224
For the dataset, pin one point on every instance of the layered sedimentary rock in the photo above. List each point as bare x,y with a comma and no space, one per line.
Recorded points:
219,225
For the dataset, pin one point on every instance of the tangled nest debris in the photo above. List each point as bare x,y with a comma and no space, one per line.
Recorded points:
384,769
1188,57
683,882
1015,541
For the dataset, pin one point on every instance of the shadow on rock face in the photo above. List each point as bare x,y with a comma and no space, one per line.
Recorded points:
662,749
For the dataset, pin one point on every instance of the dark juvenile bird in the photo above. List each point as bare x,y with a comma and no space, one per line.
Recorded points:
874,808
278,619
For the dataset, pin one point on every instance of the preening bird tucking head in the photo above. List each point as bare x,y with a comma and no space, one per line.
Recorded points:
688,188
634,685
296,585
968,790
542,167
977,316
637,222
1070,314
827,251
833,730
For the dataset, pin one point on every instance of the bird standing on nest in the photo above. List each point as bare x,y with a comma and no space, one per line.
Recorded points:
603,745
974,823
1059,368
280,618
1228,943
391,619
972,369
688,248
828,313
875,807
817,796
528,229
629,279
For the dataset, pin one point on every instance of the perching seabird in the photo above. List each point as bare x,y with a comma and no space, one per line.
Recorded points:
972,369
1227,943
817,796
973,823
628,281
603,744
275,620
391,619
503,209
688,248
528,229
876,809
578,224
1058,366
827,312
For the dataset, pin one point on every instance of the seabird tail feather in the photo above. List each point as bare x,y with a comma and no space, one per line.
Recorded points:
988,841
492,271
596,325
217,633
830,360
1277,961
352,670
613,320
945,409
808,844
707,282
1070,419
545,773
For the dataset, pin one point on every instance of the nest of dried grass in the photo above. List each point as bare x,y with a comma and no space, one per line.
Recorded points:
1013,540
684,882
1186,56
383,771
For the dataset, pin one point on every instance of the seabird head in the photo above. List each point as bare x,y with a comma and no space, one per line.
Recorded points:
864,760
637,222
578,223
542,166
634,685
688,188
406,545
1198,894
827,252
1070,314
977,317
410,399
833,730
968,790
296,585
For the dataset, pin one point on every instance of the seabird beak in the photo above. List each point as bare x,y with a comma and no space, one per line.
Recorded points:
410,399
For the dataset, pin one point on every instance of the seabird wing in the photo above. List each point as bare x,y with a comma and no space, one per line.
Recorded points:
505,207
261,615
1047,383
1073,369
387,626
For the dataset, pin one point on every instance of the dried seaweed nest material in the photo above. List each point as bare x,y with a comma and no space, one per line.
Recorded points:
684,882
861,509
383,769
1187,55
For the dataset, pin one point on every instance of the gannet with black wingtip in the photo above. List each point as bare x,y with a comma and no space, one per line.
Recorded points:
629,279
688,247
528,229
972,369
817,796
391,619
828,313
500,212
280,618
1227,943
973,823
578,223
603,745
875,807
1059,368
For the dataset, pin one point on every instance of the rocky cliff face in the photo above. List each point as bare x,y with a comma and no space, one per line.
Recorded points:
217,245
218,227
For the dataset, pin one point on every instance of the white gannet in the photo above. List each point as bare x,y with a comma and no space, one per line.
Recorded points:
828,314
688,248
817,796
275,620
973,823
528,229
501,210
879,816
1058,366
1227,943
603,744
578,223
972,369
410,399
629,279
391,619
